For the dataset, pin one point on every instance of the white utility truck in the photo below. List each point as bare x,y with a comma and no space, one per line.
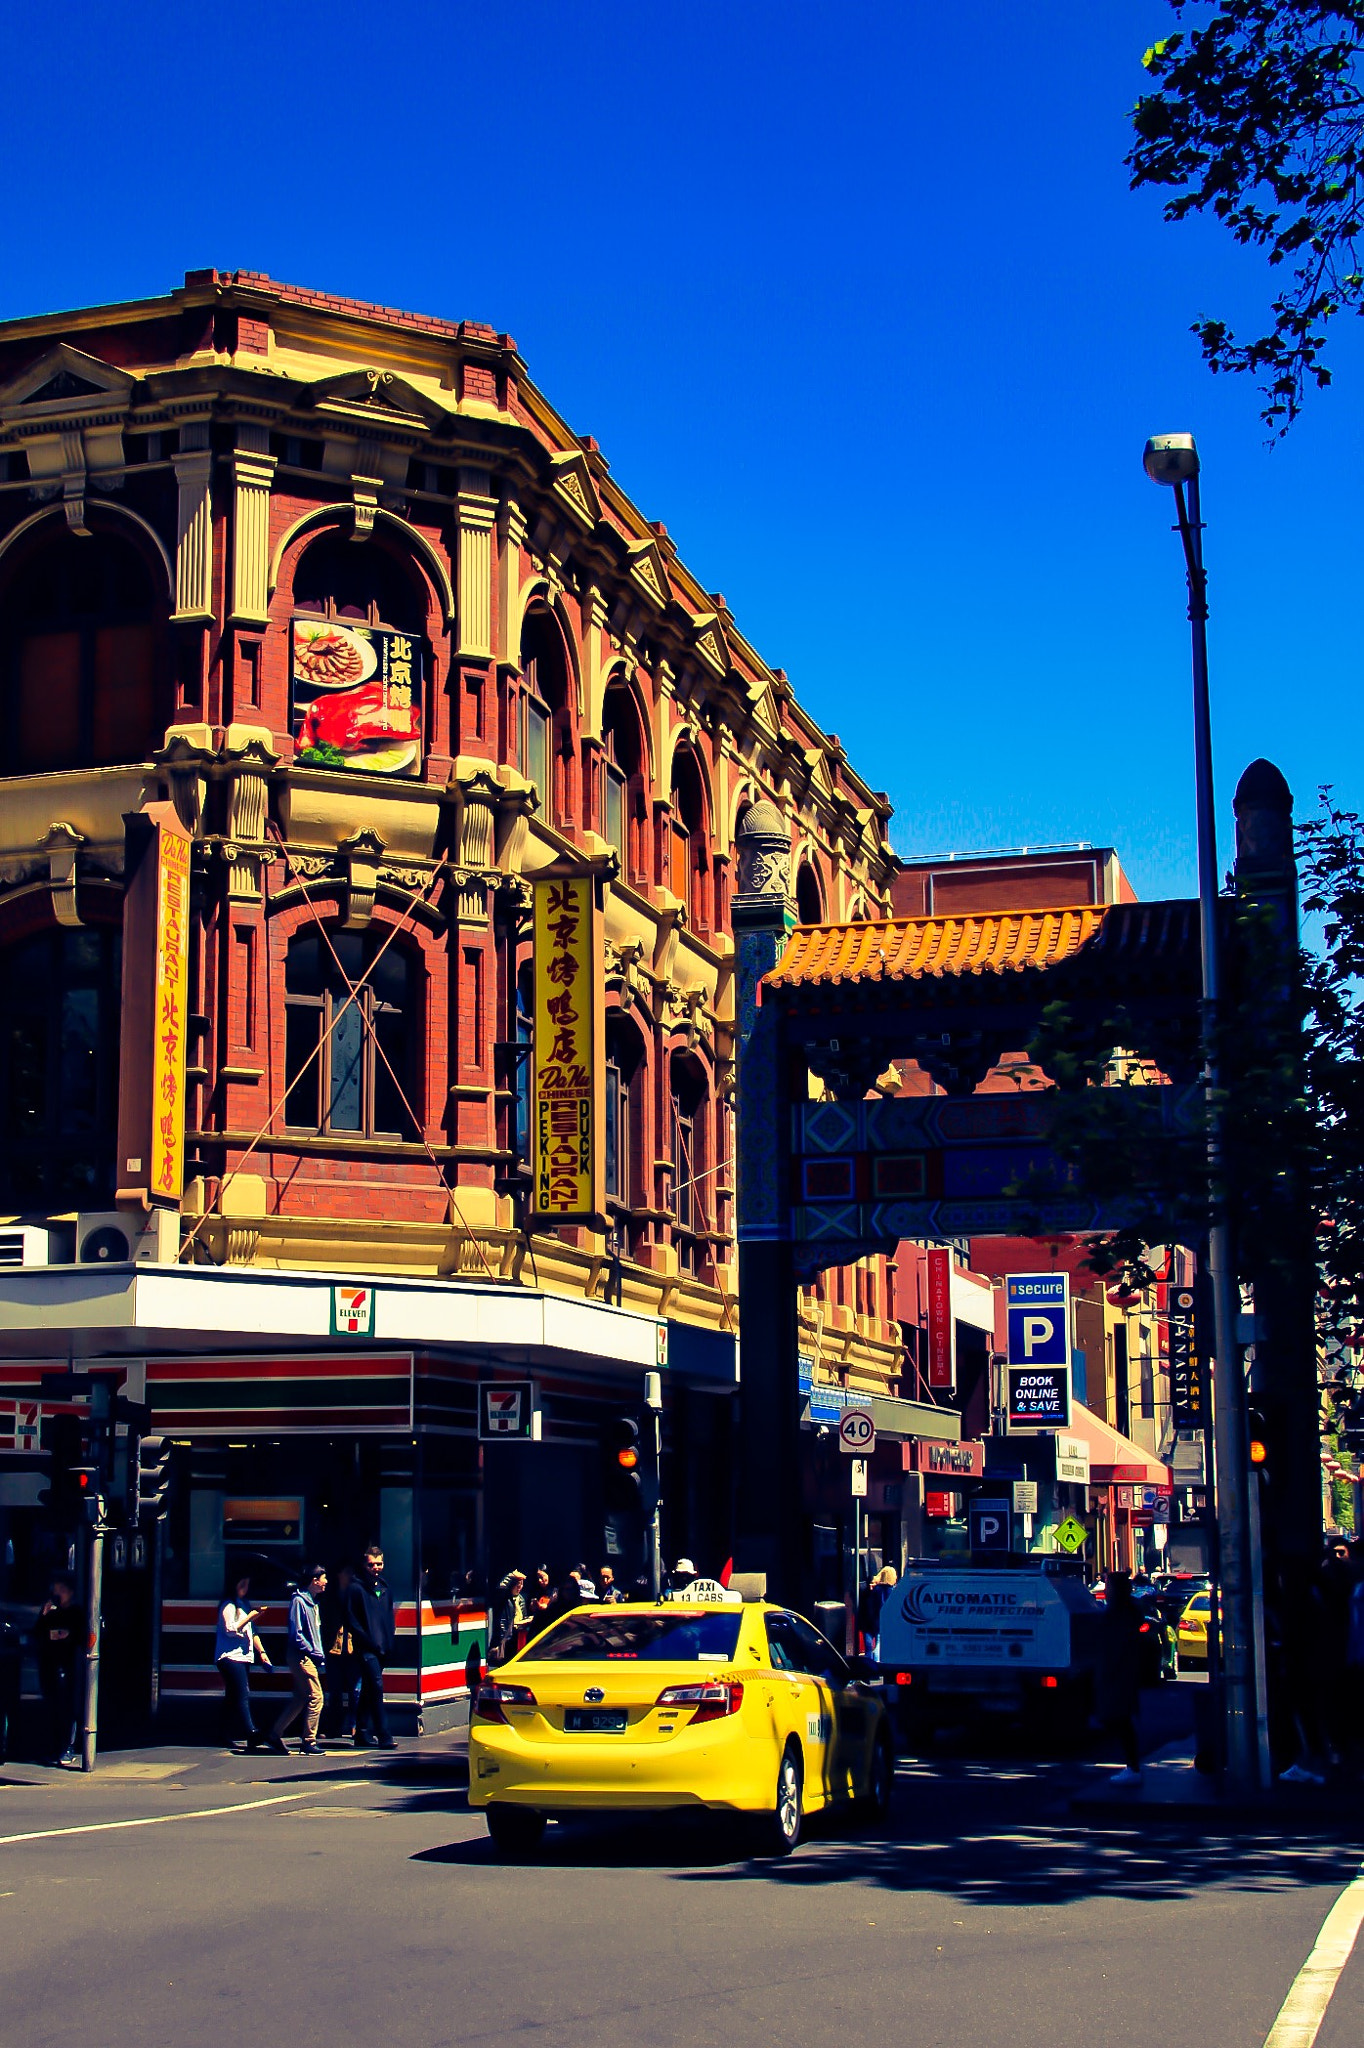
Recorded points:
958,1640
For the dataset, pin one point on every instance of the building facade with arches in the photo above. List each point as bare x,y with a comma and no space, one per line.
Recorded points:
338,584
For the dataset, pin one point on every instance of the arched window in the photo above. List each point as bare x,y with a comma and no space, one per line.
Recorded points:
547,741
83,647
690,1096
350,1059
59,1019
358,681
809,895
688,846
624,794
624,1112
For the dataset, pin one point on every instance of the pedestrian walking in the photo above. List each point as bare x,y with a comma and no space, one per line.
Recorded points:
587,1585
11,1662
369,1613
541,1591
607,1590
238,1647
338,1712
510,1615
60,1634
307,1662
1118,1693
874,1596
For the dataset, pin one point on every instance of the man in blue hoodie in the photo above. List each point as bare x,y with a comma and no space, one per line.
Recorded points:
306,1665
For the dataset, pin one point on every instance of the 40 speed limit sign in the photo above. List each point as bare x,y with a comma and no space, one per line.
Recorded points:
857,1432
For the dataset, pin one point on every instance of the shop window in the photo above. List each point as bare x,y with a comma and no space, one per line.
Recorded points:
624,1111
59,1026
349,1059
83,649
360,582
617,1135
525,1010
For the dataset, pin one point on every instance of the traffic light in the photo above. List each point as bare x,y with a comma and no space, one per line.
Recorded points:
623,1484
151,1478
70,1478
1258,1449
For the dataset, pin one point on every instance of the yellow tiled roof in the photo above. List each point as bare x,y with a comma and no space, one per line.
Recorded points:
908,949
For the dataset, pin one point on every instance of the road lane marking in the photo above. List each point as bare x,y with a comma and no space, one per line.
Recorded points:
1304,2009
155,1820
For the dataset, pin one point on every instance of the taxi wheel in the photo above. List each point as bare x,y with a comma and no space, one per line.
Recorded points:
515,1830
778,1831
880,1782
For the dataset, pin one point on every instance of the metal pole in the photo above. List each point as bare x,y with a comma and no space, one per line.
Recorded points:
1247,1760
158,1554
90,1711
656,1520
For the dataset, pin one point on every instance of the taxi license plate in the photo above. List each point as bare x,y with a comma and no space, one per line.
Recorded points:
595,1721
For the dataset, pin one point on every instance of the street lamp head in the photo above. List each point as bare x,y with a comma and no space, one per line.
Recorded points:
1171,459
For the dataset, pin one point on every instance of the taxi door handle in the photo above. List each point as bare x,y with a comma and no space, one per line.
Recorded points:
794,1687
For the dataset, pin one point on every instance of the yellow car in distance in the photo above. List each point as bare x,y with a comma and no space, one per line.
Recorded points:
1191,1633
742,1708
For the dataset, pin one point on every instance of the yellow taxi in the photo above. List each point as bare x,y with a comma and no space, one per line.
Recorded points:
1191,1633
741,1707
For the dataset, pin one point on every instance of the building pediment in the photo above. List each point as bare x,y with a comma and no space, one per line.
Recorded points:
64,380
376,398
708,638
572,483
649,572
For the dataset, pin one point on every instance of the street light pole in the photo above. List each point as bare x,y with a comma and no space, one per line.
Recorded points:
1173,459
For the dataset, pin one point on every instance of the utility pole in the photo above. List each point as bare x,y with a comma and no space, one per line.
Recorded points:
653,1401
90,1709
1172,459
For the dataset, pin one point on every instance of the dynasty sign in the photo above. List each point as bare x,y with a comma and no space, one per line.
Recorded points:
567,1066
1186,1367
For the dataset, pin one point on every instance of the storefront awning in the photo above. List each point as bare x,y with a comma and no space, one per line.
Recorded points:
1113,1456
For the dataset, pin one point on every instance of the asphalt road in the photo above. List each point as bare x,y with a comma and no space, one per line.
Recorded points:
365,1907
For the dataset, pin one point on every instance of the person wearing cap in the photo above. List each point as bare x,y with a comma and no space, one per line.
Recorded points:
679,1578
510,1614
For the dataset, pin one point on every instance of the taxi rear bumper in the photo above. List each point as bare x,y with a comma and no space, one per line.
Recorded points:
716,1765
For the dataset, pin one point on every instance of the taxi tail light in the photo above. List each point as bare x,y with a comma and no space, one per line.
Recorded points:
489,1700
904,1678
1050,1684
712,1702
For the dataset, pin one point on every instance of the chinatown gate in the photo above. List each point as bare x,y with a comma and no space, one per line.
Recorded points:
825,1182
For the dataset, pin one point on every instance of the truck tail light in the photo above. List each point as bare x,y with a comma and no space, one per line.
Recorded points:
489,1700
712,1701
1049,1683
904,1678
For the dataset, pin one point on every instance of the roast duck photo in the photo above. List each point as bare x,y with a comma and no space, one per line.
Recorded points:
355,720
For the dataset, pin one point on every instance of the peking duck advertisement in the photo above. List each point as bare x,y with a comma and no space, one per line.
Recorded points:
356,693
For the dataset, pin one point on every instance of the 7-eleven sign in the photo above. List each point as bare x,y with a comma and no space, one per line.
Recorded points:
505,1409
352,1311
20,1422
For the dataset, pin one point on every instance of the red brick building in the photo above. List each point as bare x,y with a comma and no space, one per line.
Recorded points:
337,585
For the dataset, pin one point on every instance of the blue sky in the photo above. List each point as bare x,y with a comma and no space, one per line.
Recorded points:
855,300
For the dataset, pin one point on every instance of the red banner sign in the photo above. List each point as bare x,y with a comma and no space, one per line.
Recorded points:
954,1461
942,1350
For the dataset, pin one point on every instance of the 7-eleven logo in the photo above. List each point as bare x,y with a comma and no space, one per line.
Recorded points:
353,1311
503,1409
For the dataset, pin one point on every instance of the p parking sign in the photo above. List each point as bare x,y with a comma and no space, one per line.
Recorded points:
1038,1306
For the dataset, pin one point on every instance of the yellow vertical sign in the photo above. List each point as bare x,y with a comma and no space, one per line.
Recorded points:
567,1075
167,1176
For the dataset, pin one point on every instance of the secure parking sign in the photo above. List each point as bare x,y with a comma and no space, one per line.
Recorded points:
1038,1310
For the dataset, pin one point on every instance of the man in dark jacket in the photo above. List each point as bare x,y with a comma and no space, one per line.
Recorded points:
369,1615
1119,1676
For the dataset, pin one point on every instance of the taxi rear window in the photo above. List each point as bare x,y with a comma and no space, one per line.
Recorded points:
665,1638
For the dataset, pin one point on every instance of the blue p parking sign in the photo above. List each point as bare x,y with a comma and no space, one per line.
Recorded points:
1038,1306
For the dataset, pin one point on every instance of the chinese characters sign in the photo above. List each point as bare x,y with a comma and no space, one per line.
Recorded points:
356,697
942,1350
1186,1365
166,1176
567,1069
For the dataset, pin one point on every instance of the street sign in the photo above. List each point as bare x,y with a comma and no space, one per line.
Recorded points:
858,1474
1025,1496
1187,1369
857,1431
991,1525
505,1411
1072,1461
1070,1535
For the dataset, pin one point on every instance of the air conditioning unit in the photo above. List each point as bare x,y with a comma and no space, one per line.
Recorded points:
123,1237
24,1244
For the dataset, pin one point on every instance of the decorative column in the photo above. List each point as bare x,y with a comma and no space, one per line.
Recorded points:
475,513
253,477
194,524
770,1535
